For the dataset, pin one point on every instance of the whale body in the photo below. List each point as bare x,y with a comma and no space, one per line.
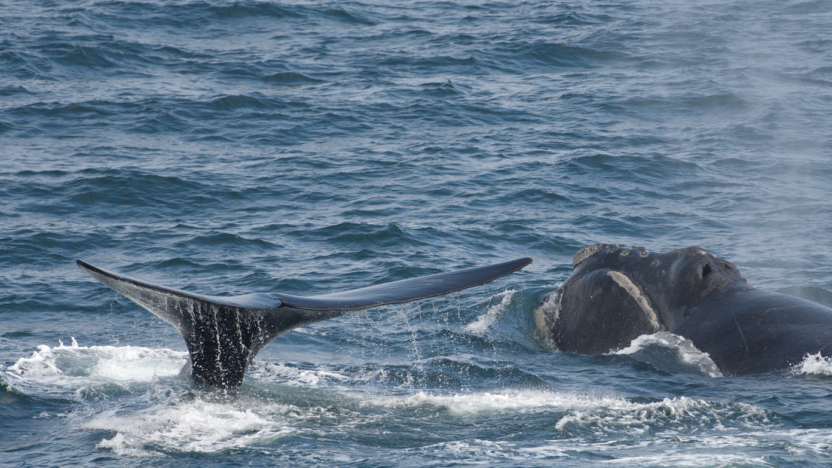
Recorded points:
616,294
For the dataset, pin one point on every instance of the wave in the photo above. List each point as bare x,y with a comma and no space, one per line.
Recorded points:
291,79
164,418
256,423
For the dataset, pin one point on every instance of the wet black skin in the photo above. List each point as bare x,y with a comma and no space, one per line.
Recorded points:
693,294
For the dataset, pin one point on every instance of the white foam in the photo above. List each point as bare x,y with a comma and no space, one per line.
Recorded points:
814,364
616,427
118,446
508,401
484,321
694,459
163,422
203,426
672,352
289,375
718,447
474,451
198,426
580,408
181,424
72,368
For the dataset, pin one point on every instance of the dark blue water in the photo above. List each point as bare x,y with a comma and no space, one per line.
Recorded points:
310,147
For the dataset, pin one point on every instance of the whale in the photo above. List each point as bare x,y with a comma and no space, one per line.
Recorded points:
616,294
224,334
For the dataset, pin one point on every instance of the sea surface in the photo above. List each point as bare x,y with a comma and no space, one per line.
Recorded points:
310,147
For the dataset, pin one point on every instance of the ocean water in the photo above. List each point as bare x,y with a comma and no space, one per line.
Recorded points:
309,147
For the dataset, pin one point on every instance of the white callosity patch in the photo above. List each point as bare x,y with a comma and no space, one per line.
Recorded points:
547,315
481,324
636,293
672,352
587,252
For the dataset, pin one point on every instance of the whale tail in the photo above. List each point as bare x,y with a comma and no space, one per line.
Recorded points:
223,334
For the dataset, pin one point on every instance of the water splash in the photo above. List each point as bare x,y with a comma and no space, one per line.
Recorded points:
670,352
814,364
484,321
75,369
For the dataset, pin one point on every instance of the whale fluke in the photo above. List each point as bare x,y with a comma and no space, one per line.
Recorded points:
223,334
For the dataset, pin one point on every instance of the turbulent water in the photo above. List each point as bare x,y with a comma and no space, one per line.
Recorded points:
311,147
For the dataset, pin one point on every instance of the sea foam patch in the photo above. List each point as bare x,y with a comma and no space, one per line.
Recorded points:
73,368
291,375
198,426
507,401
164,423
582,411
180,425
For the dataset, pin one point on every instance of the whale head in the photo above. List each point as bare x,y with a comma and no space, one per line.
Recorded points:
616,294
674,282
